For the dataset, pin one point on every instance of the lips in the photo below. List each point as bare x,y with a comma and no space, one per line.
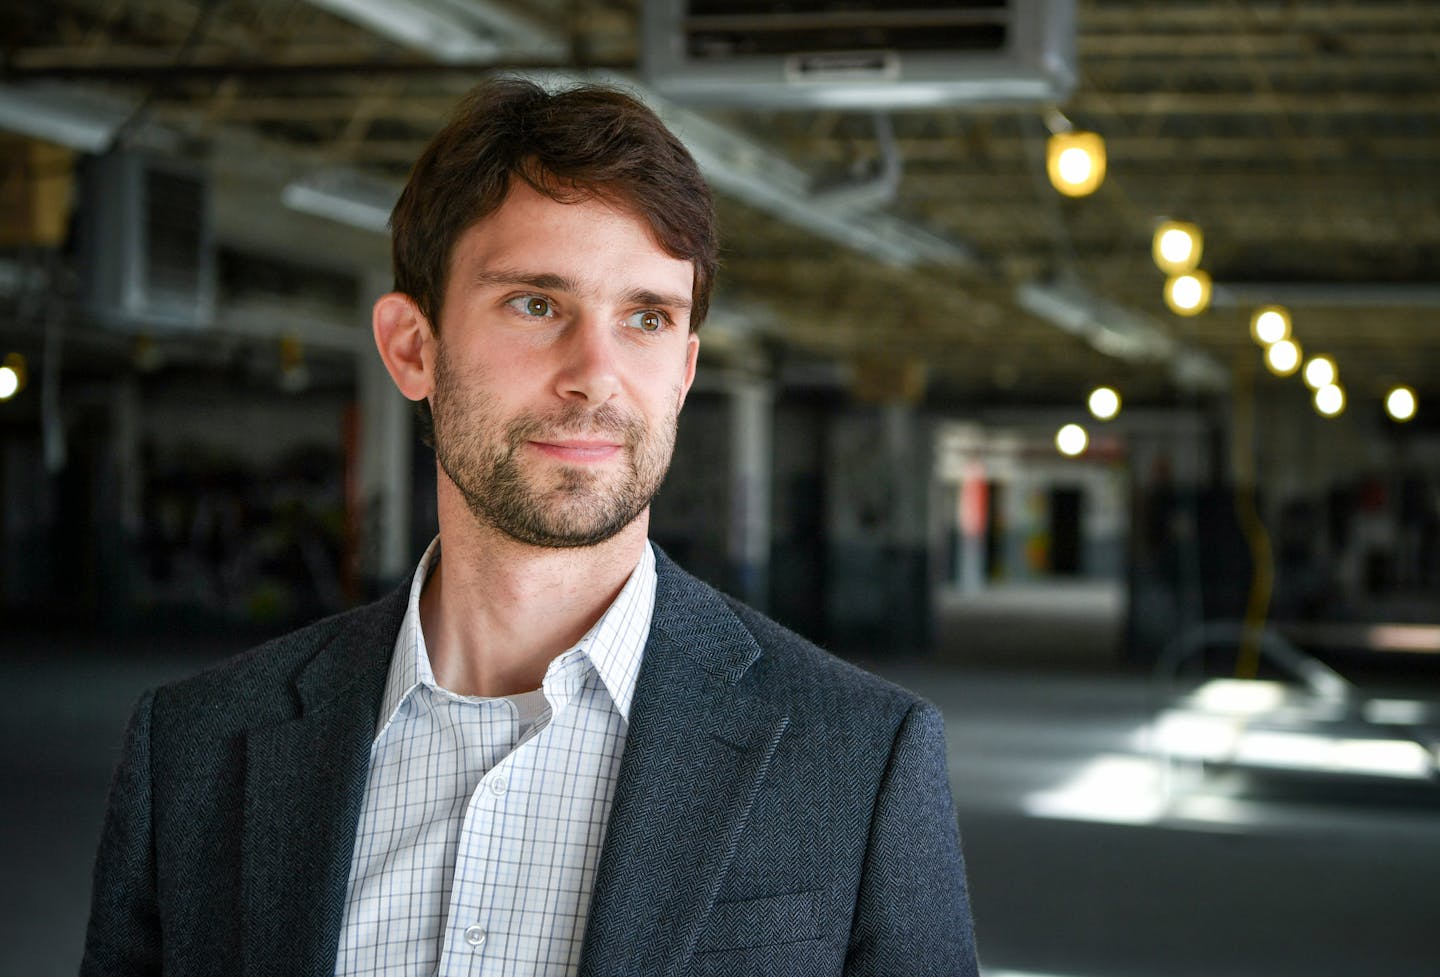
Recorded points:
579,450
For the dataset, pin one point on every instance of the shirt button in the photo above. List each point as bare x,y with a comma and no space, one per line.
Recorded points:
498,786
475,936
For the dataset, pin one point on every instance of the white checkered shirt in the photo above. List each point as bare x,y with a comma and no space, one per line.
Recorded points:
483,818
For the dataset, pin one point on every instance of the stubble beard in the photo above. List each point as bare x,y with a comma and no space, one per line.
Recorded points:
566,507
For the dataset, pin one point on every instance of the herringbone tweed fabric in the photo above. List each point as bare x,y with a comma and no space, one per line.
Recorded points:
778,811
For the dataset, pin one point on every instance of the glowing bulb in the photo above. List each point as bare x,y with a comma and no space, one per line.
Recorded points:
1075,165
9,382
1270,324
1330,399
1283,358
1104,403
1075,162
1319,372
1400,403
1176,247
1071,439
1188,294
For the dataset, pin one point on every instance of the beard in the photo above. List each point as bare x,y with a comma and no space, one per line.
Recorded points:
563,506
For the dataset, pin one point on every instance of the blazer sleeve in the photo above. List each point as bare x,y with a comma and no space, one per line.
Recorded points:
912,914
123,936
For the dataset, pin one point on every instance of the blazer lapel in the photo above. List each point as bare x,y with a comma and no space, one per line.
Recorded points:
304,784
695,754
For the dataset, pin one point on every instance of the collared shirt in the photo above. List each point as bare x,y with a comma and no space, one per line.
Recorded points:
483,817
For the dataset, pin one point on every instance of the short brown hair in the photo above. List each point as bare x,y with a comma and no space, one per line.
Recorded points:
570,145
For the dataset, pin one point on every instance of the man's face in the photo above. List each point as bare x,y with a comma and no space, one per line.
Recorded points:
563,358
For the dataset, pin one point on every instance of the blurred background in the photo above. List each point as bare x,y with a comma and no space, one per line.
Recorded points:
1075,364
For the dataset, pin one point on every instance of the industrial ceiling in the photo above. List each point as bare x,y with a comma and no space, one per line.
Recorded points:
1303,139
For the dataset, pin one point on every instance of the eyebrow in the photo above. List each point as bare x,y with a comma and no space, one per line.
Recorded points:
551,282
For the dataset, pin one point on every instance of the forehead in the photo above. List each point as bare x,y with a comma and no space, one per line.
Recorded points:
592,240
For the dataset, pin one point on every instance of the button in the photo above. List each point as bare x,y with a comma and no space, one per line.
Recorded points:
498,786
475,936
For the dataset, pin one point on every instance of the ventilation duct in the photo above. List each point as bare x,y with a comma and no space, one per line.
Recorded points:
147,258
860,53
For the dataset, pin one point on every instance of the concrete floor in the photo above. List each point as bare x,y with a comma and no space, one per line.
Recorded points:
1222,879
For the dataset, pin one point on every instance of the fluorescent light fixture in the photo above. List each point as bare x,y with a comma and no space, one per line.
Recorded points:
345,196
416,26
71,117
449,30
1119,332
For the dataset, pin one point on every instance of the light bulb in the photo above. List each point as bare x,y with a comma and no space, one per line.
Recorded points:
1075,162
1188,294
1071,440
1283,358
1330,399
1319,372
1104,403
1270,324
1176,247
1400,403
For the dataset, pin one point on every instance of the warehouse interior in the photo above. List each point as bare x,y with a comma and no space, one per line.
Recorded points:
1187,642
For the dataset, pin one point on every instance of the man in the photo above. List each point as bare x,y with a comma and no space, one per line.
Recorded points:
553,751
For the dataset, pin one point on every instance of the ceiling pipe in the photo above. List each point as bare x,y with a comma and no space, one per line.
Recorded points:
1377,295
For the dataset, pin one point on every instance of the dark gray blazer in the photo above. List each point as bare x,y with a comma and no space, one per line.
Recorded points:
778,812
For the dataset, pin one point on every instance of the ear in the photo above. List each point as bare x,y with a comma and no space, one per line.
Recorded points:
692,356
406,343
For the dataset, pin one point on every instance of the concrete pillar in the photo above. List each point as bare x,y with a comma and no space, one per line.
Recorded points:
385,444
751,409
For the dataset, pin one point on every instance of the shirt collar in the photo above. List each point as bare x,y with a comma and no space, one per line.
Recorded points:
614,645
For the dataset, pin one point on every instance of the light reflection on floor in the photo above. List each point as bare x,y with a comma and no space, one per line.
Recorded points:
1093,856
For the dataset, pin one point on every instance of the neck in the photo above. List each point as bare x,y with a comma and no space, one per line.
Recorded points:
496,612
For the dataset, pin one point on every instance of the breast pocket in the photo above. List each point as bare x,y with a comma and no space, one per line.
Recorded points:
769,921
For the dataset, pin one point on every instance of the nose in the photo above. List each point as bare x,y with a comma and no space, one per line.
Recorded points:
588,371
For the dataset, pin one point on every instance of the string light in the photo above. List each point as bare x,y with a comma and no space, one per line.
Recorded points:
1283,358
1104,403
1075,162
1400,403
1319,371
1330,399
1188,294
1270,324
1071,440
13,375
1176,247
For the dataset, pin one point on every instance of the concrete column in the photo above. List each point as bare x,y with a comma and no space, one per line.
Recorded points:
385,444
751,409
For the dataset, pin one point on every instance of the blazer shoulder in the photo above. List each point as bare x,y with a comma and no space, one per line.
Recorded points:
812,665
259,683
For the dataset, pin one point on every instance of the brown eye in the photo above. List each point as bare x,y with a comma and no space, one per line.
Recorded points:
648,321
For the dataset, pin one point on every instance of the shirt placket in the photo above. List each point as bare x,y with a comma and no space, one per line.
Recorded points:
495,845
471,942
